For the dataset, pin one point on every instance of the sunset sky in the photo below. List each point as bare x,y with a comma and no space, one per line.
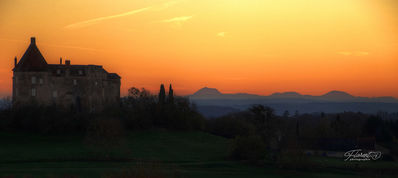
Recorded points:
236,46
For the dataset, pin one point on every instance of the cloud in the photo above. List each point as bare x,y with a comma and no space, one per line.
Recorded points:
176,22
221,34
166,5
177,19
361,53
353,53
99,19
344,53
71,47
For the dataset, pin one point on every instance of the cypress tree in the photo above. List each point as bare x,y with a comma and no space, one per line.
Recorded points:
171,94
162,94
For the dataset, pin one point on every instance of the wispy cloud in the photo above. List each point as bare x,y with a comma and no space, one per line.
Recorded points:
136,11
361,53
176,22
221,34
99,19
177,19
166,5
353,53
71,47
344,53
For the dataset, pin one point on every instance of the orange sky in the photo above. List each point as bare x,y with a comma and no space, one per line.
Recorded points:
253,46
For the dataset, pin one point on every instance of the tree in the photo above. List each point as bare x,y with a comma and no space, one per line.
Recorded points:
263,114
322,115
134,93
265,121
162,94
296,114
286,114
171,95
140,108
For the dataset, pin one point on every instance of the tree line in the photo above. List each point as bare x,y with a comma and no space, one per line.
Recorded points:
258,134
140,109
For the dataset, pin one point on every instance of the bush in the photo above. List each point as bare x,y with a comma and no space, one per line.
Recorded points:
230,127
251,148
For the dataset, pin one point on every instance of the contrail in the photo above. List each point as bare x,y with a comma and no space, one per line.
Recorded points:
99,19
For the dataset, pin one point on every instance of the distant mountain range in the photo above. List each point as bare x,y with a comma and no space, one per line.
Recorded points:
336,96
333,101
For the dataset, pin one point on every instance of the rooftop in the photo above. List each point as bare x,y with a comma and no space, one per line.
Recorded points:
32,60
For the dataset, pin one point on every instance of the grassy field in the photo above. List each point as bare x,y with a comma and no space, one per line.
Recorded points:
180,154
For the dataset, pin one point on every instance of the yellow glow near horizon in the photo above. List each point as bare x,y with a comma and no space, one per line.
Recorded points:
253,46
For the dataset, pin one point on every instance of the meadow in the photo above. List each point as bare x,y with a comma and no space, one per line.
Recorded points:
149,153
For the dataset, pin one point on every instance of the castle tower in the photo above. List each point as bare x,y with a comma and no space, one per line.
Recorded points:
32,60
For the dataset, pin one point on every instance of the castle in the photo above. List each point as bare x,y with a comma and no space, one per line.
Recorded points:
77,87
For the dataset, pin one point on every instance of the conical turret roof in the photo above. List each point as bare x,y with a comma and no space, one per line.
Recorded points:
32,60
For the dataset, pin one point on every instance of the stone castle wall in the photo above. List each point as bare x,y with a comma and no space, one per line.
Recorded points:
86,88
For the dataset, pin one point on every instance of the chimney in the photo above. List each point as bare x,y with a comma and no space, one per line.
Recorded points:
15,61
67,62
60,60
33,40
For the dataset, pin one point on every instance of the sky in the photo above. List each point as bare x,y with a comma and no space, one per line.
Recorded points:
236,46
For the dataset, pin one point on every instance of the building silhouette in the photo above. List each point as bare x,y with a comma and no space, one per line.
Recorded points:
76,87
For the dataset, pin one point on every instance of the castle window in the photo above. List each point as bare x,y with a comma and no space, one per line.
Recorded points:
80,72
55,94
33,91
74,82
33,80
96,83
40,80
58,71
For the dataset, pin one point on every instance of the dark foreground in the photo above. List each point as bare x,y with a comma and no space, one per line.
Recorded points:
156,153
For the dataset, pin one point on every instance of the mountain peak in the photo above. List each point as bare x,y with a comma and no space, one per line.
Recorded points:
207,92
337,95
